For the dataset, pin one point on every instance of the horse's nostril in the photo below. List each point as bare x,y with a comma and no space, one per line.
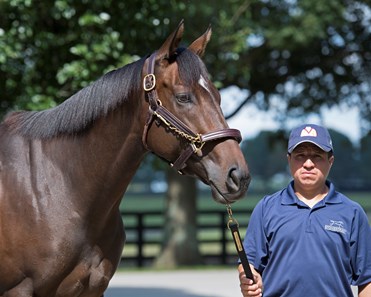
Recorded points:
233,180
237,180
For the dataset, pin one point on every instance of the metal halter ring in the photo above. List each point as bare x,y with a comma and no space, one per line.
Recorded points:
231,219
197,149
149,82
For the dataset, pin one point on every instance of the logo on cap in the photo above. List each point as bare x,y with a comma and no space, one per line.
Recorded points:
315,134
308,131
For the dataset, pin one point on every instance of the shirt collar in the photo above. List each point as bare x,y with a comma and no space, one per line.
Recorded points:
290,198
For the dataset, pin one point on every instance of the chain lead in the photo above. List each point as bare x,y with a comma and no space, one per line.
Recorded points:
193,139
229,210
231,219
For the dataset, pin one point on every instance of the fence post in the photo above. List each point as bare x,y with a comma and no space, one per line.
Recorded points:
140,231
224,237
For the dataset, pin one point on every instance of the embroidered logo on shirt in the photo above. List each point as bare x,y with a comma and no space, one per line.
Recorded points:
308,131
336,226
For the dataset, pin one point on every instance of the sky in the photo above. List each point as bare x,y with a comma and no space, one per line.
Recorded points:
250,120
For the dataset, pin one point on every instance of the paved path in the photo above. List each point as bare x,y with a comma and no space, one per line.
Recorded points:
177,283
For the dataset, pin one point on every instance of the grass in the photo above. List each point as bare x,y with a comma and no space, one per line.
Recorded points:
154,202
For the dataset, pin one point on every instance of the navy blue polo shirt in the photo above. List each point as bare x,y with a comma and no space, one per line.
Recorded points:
303,251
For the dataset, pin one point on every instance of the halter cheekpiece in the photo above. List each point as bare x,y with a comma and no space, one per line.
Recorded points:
157,110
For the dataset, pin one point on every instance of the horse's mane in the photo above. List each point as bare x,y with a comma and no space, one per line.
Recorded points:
82,108
94,101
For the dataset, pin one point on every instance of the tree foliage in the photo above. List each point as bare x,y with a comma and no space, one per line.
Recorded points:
307,53
302,55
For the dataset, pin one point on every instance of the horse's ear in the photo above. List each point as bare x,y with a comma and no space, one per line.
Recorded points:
172,42
199,45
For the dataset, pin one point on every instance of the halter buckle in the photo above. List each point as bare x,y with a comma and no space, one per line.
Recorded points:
149,82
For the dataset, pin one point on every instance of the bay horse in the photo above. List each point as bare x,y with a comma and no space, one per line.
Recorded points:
64,170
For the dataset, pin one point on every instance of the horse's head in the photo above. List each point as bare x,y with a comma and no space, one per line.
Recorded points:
185,123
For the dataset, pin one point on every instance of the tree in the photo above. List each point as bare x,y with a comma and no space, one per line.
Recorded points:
294,56
302,55
344,171
265,155
180,246
363,168
308,53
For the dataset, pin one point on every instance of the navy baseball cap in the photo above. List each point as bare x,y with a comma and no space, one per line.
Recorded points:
315,134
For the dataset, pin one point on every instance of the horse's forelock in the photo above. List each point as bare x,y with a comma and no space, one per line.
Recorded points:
190,66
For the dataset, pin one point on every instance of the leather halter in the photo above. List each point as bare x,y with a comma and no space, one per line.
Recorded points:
156,110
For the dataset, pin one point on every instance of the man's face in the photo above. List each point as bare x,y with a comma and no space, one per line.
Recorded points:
309,165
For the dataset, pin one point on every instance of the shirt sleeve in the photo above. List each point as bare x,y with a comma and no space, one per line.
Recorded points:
255,241
360,245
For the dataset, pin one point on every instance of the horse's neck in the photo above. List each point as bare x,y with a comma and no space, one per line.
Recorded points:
107,157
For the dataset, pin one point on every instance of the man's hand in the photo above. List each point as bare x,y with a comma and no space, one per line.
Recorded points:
248,288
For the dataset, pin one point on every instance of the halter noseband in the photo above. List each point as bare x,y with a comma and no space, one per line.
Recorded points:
156,110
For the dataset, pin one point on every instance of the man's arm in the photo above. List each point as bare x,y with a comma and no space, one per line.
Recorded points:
364,290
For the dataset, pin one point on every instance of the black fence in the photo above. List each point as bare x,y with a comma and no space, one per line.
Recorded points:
145,232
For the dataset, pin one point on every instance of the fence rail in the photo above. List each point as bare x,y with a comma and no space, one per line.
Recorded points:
145,232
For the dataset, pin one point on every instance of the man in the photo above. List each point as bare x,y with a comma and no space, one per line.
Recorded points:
308,239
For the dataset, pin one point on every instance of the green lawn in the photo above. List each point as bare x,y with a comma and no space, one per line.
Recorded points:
205,202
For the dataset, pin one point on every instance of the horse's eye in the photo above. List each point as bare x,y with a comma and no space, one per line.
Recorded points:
183,98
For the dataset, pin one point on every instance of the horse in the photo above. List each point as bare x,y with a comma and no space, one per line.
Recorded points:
64,170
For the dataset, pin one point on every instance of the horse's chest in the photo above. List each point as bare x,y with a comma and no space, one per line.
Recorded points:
89,275
61,258
86,279
83,281
84,272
